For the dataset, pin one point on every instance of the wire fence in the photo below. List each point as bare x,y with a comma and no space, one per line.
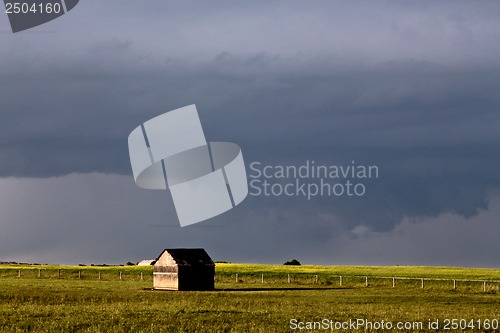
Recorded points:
75,274
485,285
303,279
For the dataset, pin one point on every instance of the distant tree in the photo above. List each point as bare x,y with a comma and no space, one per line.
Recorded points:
130,263
292,262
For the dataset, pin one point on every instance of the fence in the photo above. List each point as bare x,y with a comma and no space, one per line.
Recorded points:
301,279
361,281
75,274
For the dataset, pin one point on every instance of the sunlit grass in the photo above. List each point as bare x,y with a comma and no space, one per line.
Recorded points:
72,304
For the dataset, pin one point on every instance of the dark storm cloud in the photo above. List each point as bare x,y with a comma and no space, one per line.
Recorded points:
431,129
280,102
95,218
413,90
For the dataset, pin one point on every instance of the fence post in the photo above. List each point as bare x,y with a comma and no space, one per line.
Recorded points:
484,286
262,278
141,277
79,274
39,272
393,282
19,273
454,284
288,278
237,279
422,283
120,275
366,281
340,280
316,279
99,275
58,273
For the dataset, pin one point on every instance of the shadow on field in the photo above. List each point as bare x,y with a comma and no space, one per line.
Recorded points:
281,289
256,289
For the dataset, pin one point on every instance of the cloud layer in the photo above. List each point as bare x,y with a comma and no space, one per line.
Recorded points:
410,88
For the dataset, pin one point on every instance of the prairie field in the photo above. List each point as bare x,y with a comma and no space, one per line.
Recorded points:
249,298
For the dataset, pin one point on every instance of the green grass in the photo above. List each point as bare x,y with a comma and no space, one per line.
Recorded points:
388,271
72,304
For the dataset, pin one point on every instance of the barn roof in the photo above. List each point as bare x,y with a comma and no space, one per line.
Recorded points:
189,257
146,262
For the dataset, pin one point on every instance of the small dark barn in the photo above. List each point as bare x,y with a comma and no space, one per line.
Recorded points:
184,269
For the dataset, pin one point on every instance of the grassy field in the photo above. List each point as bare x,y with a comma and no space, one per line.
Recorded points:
79,302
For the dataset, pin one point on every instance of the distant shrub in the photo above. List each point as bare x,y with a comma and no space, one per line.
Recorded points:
294,262
130,263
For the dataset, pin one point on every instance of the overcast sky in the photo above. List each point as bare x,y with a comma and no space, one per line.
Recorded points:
410,87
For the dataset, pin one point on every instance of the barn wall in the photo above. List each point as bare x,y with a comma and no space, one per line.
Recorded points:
165,281
196,278
165,273
165,260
